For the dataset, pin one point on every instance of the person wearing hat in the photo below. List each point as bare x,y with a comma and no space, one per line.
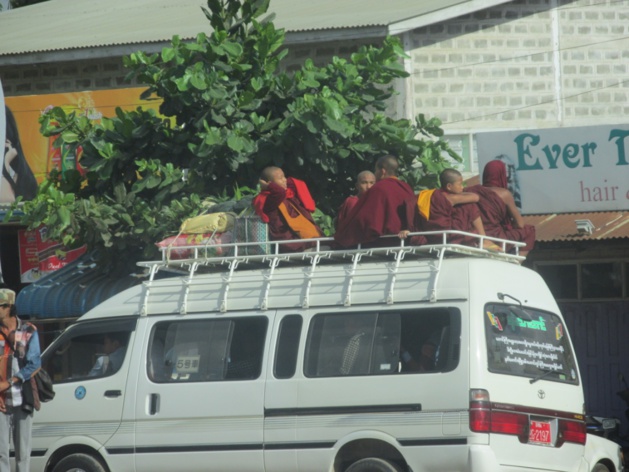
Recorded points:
19,360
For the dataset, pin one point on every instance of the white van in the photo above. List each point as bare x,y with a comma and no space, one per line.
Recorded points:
422,359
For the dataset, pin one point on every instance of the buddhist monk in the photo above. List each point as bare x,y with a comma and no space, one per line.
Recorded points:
287,206
387,209
450,208
499,213
365,180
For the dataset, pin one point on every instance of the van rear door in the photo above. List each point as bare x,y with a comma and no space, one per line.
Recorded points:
530,400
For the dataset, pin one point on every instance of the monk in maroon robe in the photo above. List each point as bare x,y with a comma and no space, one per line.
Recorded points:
365,180
501,217
286,205
450,208
387,209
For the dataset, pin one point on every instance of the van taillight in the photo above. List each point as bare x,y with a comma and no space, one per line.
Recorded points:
485,420
571,431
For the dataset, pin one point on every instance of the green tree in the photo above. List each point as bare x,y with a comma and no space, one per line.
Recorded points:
228,111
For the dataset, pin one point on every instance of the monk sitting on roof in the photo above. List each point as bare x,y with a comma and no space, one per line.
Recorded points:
387,209
365,180
450,208
501,217
286,205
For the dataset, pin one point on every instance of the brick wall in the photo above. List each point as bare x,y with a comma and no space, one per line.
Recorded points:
102,74
61,77
109,73
499,68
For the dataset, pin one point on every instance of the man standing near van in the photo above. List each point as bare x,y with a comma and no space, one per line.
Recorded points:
19,360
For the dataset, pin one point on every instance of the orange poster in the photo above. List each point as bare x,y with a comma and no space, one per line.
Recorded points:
29,155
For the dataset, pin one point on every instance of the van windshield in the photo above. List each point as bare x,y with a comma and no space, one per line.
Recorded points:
529,343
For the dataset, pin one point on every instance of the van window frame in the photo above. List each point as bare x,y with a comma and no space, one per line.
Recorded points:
392,364
501,328
287,346
204,365
96,328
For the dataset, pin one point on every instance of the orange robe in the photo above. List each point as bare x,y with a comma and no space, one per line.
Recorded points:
298,202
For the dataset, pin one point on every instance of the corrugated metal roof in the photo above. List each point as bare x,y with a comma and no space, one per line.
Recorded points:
563,227
76,24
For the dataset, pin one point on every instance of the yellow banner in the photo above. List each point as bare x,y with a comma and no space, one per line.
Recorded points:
29,156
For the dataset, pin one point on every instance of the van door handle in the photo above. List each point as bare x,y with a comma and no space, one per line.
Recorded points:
113,393
153,403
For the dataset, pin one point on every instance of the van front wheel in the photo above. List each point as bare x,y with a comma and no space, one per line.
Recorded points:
79,463
373,464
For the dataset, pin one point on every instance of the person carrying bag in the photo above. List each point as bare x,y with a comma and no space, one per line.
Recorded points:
19,360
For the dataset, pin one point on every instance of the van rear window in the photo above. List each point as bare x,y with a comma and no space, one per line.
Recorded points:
529,343
383,343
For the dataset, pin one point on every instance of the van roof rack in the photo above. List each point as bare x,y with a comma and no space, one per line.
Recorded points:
191,259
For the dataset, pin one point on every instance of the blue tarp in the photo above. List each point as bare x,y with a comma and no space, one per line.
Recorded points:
71,291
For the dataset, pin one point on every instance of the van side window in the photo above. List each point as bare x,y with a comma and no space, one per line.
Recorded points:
529,343
89,350
287,347
383,343
207,350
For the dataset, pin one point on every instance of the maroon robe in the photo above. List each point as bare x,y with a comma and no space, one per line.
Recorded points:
344,209
496,219
444,216
386,209
278,228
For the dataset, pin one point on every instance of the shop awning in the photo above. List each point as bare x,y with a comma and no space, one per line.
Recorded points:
71,291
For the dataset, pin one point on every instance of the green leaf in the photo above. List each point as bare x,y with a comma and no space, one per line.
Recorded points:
168,54
198,81
64,216
70,137
233,49
236,142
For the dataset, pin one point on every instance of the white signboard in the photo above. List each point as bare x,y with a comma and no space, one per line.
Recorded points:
563,170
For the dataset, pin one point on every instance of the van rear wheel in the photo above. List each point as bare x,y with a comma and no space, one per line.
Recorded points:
600,468
79,463
373,464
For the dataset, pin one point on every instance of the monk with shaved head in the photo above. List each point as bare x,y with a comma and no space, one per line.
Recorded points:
386,209
365,180
285,204
450,208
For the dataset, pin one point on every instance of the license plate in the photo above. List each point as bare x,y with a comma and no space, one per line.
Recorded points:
539,433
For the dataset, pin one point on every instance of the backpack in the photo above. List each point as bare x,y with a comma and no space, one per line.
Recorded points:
45,389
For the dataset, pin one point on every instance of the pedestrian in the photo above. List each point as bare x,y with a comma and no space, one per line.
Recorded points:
19,360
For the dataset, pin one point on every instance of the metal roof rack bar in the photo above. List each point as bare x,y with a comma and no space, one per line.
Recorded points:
232,267
250,254
399,255
275,261
314,257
